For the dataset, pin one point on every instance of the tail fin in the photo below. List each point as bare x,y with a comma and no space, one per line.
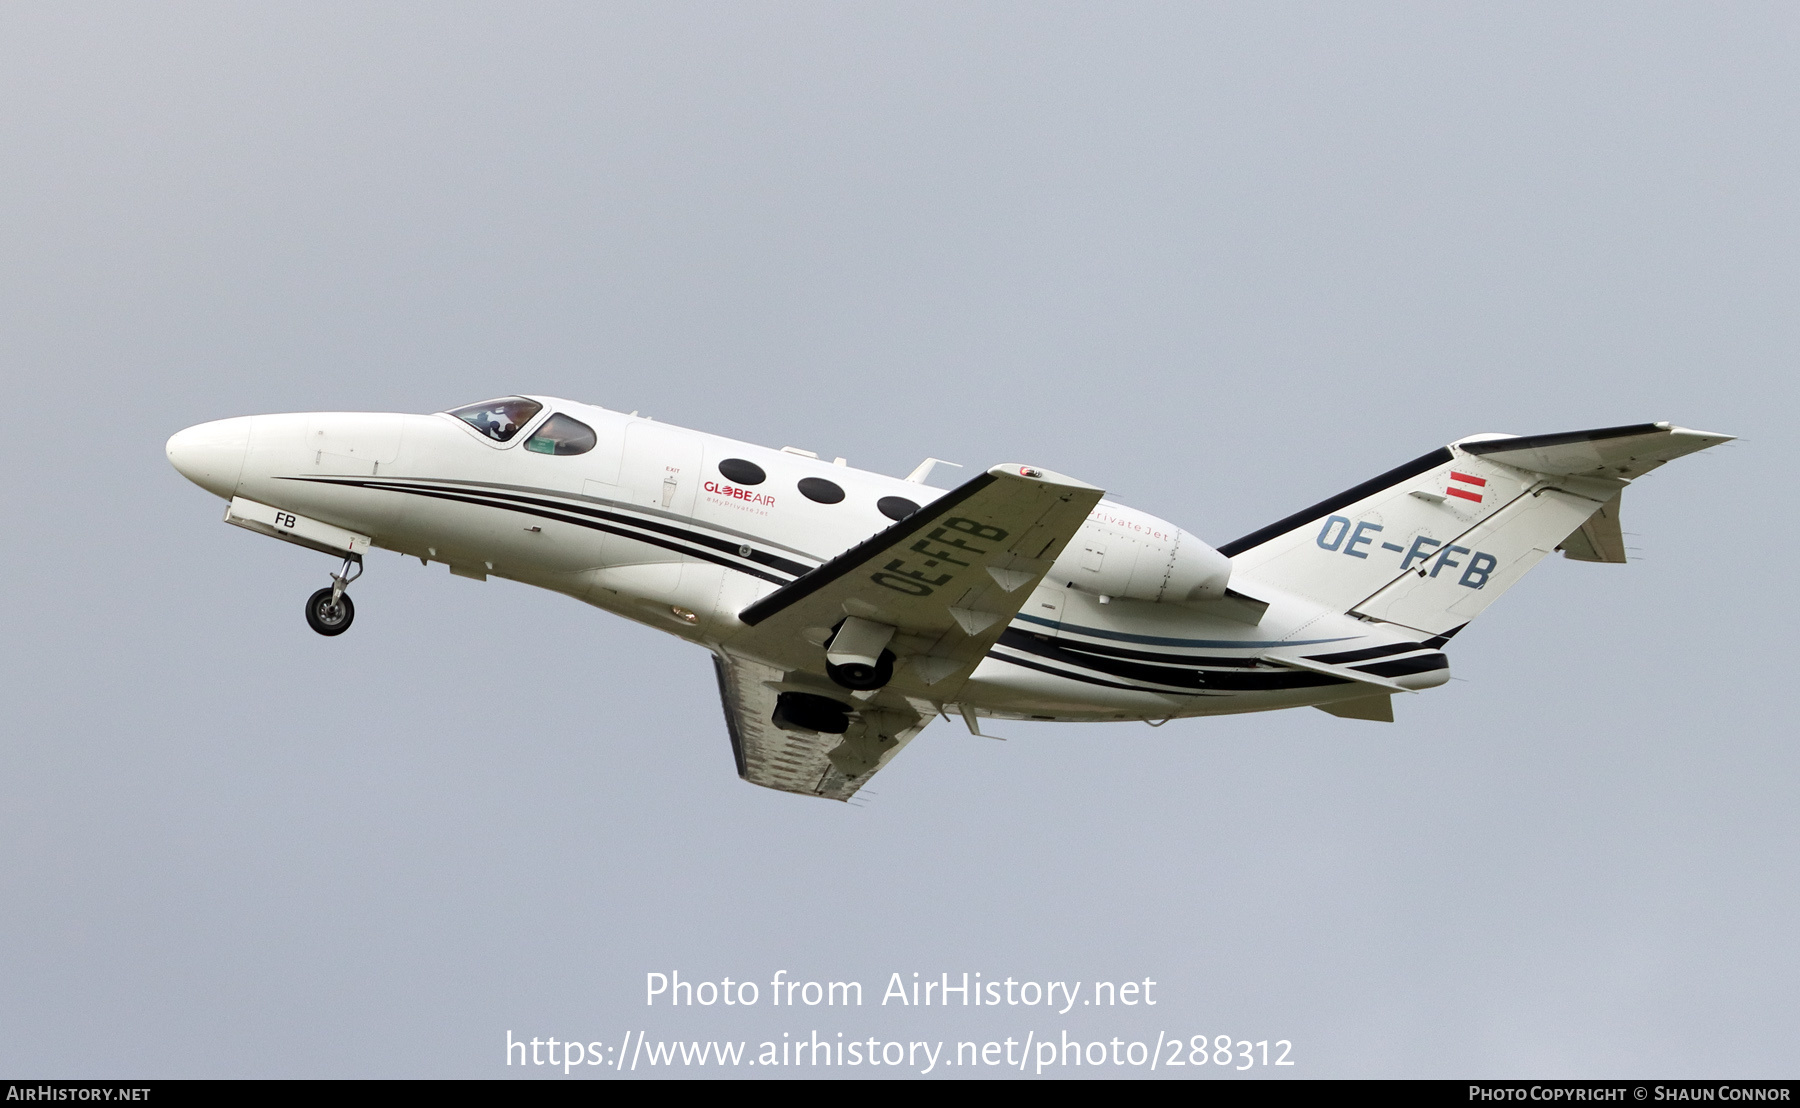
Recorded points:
1431,544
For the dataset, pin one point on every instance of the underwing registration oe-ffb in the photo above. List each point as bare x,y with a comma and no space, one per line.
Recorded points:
844,609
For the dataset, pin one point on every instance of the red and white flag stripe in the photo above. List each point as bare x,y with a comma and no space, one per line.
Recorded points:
1478,482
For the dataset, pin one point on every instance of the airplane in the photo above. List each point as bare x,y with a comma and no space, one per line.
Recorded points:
845,609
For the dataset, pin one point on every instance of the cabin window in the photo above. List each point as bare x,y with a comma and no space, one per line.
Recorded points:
896,507
561,435
500,419
741,472
821,490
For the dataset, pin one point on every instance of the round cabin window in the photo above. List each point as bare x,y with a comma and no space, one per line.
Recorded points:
821,490
896,507
741,472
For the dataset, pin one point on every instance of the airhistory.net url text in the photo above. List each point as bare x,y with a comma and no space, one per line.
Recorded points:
1027,1055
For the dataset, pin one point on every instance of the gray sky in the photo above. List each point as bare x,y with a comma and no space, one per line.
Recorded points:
1222,260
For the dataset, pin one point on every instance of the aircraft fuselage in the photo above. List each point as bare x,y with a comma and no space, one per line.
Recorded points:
647,524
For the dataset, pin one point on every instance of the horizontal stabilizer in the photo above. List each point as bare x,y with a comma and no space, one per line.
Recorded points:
1378,708
1626,452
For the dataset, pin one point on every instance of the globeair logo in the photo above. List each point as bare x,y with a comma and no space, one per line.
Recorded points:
735,493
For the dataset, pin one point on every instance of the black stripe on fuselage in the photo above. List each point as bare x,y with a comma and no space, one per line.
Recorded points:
1437,642
1400,667
1367,652
1150,655
643,531
723,545
1084,678
732,538
1422,464
1188,676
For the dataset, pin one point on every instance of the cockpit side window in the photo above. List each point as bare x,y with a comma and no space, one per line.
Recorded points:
499,419
561,435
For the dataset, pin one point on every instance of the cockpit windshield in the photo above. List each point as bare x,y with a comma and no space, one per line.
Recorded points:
499,419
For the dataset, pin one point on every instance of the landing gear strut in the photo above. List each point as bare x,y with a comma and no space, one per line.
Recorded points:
329,611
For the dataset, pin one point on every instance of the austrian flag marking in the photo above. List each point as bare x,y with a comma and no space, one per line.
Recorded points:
1478,482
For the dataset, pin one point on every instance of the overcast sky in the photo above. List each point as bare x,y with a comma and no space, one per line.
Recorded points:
1221,260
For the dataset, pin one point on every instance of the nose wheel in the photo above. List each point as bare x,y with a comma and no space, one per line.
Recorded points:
329,611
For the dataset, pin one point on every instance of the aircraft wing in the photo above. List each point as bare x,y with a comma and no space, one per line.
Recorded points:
928,596
804,762
946,580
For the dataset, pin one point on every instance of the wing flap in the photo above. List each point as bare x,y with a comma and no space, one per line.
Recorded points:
809,763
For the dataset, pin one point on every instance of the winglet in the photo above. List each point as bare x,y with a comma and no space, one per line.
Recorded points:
1034,473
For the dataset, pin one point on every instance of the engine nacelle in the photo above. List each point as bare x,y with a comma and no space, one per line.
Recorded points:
1123,552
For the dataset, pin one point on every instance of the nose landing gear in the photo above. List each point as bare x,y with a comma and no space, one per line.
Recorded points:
329,611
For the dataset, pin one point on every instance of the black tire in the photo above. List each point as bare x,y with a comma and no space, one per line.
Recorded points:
327,618
861,677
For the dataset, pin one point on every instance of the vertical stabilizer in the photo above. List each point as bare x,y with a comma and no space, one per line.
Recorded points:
1431,544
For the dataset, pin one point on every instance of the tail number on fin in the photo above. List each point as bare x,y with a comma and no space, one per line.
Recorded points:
1342,536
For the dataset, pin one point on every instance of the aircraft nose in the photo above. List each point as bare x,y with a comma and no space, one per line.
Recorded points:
211,455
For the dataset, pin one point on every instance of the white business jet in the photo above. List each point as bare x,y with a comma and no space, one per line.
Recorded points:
844,609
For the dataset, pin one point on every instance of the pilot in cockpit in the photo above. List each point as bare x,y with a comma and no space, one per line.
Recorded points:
500,419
